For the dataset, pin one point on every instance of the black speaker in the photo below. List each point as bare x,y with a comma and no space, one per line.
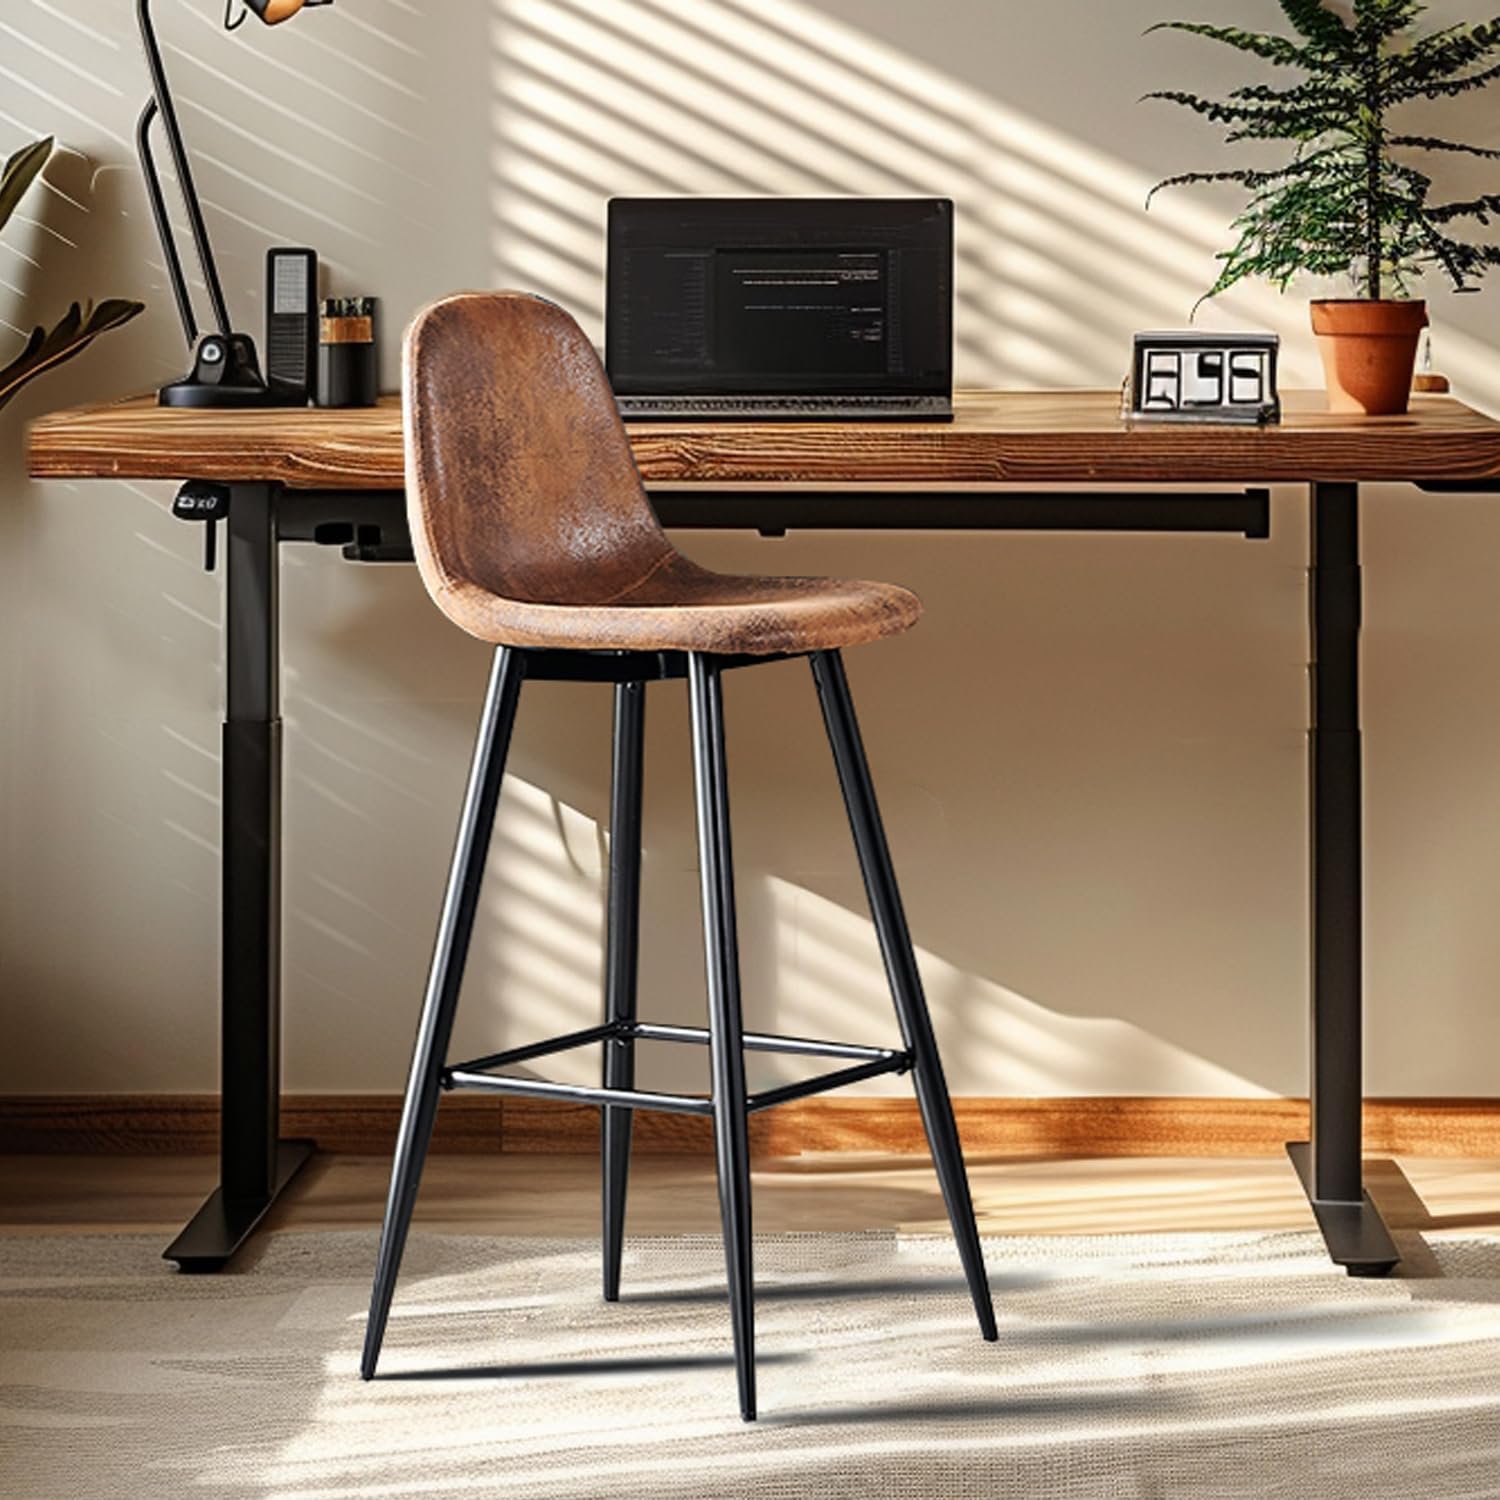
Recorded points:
291,324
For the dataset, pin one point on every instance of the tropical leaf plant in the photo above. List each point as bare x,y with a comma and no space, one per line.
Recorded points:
1351,199
47,348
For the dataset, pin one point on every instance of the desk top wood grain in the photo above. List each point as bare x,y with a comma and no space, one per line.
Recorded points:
997,437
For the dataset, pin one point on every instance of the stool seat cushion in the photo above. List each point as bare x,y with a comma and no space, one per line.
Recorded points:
682,607
530,523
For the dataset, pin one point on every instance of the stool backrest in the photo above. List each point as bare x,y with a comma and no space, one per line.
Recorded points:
520,481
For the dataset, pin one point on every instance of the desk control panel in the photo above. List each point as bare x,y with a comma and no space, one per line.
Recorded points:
208,503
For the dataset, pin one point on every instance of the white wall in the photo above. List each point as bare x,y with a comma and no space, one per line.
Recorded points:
1091,752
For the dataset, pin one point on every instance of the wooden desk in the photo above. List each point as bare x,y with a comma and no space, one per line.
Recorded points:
1025,438
336,476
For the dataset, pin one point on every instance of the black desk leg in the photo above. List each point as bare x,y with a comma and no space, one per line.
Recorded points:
254,1164
1330,1165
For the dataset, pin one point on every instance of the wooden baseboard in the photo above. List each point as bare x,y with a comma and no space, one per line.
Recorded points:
366,1123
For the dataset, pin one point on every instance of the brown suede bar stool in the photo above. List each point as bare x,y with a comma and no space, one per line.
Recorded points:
532,531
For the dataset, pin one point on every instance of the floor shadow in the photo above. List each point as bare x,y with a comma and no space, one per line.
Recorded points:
1103,1404
567,1367
852,1164
1408,1218
828,1291
1402,1205
1289,1327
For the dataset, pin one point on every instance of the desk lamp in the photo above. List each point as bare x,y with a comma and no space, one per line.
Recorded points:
226,368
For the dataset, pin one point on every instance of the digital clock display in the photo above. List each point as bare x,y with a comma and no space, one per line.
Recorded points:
1193,377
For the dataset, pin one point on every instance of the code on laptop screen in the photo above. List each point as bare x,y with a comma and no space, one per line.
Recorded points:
780,295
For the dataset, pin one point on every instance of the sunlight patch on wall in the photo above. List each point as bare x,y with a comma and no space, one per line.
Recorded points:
721,96
541,924
832,984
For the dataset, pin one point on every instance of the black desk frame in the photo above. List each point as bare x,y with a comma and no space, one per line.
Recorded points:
255,1164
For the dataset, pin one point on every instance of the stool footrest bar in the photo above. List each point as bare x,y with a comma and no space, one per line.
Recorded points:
869,1062
577,1093
897,1062
754,1041
538,1049
468,1077
650,1031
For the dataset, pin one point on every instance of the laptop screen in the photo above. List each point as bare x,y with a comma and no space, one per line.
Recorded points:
794,296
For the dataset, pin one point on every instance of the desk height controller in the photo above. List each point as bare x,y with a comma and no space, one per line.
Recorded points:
199,500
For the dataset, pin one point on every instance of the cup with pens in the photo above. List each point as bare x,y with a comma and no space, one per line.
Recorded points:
348,356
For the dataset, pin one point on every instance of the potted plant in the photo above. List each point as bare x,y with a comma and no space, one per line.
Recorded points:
79,326
1350,201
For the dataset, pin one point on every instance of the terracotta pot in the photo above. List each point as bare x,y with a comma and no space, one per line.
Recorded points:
1369,352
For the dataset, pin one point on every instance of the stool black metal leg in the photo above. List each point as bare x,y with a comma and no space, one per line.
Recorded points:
726,1027
620,963
455,925
901,968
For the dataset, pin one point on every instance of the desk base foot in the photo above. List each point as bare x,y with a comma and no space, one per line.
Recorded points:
221,1226
1355,1234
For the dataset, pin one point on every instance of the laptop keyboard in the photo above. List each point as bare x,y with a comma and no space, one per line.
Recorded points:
798,408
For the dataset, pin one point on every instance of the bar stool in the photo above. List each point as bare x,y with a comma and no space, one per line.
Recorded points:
532,531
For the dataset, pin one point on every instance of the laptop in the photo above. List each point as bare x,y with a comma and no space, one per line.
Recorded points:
799,309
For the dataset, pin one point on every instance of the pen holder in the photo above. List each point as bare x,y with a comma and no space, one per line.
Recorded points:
348,357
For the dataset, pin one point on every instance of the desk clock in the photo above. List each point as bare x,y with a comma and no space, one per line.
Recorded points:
1204,377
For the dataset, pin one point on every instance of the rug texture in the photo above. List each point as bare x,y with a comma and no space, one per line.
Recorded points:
1132,1366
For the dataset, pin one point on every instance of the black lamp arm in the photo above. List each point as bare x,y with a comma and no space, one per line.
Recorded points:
164,223
162,104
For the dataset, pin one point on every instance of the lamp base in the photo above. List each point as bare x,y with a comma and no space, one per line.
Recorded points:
189,393
226,372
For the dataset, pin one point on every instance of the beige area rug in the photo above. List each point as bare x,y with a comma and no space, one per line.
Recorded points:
1133,1366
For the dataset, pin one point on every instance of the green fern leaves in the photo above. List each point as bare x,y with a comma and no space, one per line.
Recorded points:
1349,200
